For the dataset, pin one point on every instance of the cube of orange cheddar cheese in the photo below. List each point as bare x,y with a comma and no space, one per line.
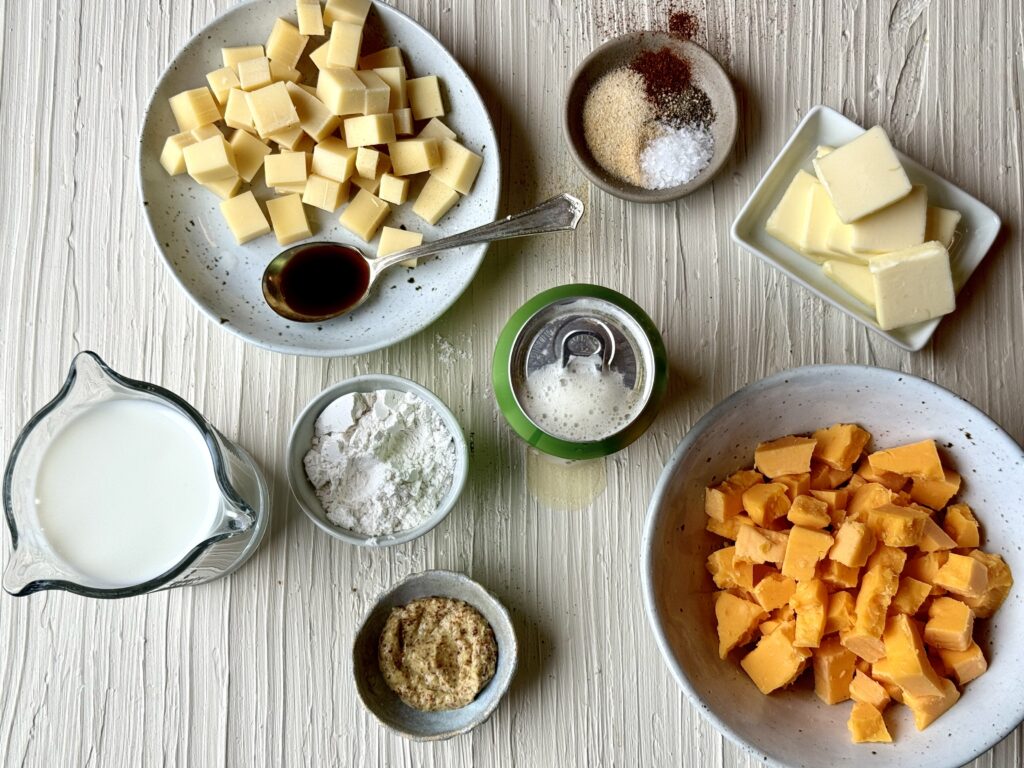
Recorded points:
773,591
877,589
737,621
865,689
810,602
785,456
727,572
933,538
759,545
906,659
826,478
910,596
854,543
935,493
999,582
962,526
890,480
923,567
866,724
897,526
833,671
728,528
867,497
836,501
916,459
796,485
963,575
837,575
950,624
841,612
726,499
964,665
928,709
766,503
805,548
840,445
776,662
809,512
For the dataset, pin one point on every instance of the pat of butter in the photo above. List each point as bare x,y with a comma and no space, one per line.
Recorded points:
855,279
898,226
941,225
821,220
863,176
788,222
913,285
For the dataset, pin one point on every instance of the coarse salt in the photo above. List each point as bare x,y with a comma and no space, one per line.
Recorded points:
675,156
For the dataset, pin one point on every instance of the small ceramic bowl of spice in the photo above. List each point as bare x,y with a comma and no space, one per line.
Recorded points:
377,460
434,656
650,117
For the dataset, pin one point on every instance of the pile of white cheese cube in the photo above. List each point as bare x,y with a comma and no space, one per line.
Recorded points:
355,126
872,231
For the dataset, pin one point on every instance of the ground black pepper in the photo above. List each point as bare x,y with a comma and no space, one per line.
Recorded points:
670,90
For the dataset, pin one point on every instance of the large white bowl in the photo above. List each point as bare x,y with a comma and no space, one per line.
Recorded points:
794,728
223,278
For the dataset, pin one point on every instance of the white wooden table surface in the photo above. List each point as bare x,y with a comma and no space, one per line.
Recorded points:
253,669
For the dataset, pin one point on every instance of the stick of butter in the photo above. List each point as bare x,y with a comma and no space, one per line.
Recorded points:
912,285
863,176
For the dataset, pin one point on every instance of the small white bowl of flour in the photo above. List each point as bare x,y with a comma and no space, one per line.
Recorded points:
377,460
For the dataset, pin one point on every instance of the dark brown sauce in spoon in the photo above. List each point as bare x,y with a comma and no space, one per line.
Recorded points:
323,279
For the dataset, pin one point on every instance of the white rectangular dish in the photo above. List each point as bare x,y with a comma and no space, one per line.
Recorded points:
975,234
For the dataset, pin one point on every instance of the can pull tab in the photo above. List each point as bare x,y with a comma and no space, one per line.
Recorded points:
586,338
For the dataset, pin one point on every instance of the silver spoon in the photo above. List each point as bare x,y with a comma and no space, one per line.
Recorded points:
313,282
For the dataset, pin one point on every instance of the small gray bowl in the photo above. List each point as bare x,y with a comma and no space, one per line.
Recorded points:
707,74
385,705
302,437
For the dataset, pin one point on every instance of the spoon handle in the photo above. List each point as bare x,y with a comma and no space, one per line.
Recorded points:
560,213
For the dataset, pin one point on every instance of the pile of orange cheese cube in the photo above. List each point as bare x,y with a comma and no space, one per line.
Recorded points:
856,566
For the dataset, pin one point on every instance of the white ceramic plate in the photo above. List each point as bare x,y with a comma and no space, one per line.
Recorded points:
794,728
223,278
975,234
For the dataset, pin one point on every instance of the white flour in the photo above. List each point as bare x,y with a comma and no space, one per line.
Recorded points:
381,462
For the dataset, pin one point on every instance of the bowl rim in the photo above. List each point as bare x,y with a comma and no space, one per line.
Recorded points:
300,486
510,634
657,497
629,192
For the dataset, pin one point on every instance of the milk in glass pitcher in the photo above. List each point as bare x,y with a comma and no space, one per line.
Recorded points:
118,487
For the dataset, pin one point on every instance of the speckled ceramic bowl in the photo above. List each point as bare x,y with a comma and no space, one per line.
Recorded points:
223,278
794,728
302,437
382,702
707,73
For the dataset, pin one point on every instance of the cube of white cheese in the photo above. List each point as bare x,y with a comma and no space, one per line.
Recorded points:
172,158
941,225
244,217
334,160
210,160
393,189
412,156
283,73
272,109
288,138
319,56
352,11
395,79
863,176
310,17
325,194
404,124
895,227
225,188
788,222
458,167
364,215
254,73
236,111
386,57
855,279
288,218
346,40
342,91
425,97
249,154
377,93
371,129
393,240
286,44
435,200
194,108
368,162
436,129
204,132
221,82
372,183
231,56
285,168
315,118
912,285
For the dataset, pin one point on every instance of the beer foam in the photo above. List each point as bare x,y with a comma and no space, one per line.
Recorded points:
580,402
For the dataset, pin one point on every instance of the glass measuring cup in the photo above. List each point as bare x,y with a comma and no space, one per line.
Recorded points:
240,517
